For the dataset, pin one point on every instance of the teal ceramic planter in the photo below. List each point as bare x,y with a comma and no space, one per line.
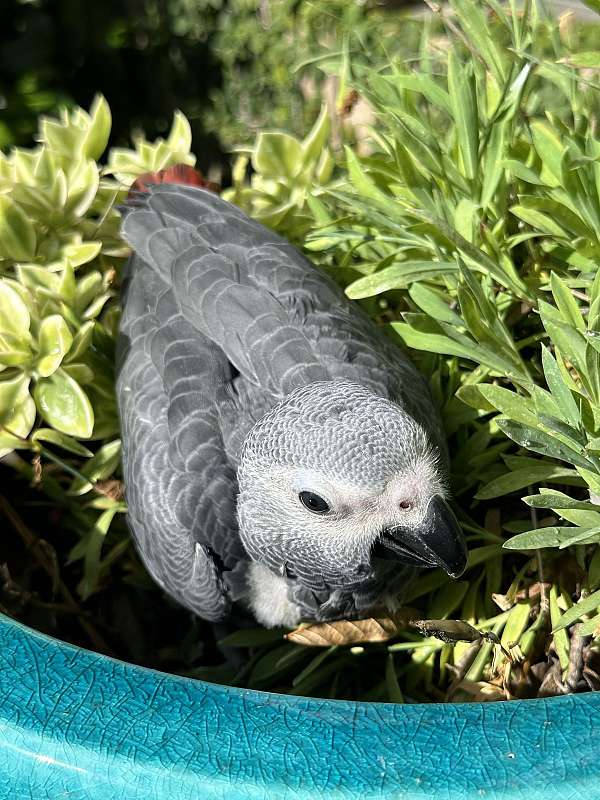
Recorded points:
80,726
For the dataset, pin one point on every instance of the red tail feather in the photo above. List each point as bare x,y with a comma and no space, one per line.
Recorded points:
178,173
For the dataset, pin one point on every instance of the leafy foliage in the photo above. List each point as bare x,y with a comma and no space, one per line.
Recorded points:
472,227
469,225
230,65
286,177
60,258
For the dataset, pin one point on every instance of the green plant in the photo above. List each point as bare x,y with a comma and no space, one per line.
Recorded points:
286,175
473,229
60,257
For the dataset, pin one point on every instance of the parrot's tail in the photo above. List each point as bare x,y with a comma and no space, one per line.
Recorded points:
178,173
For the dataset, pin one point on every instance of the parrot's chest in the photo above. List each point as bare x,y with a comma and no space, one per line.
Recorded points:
276,601
269,598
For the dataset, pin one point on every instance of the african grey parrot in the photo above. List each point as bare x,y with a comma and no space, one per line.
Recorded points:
278,449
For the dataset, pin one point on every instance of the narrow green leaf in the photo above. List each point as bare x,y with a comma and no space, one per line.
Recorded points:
557,501
269,663
565,337
560,392
398,276
434,303
566,303
516,624
503,271
551,536
591,627
493,171
567,214
549,148
521,478
61,440
314,664
592,365
472,396
538,220
585,60
466,219
93,551
479,555
524,173
431,342
593,575
101,466
426,85
573,614
509,403
316,140
447,599
362,182
463,98
472,17
541,442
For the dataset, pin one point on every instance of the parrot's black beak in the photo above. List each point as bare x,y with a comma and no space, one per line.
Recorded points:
437,541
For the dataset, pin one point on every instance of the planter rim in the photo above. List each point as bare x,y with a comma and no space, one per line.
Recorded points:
82,723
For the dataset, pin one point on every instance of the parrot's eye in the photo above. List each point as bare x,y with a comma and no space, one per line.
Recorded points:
314,503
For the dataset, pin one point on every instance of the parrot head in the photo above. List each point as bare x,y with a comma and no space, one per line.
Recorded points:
340,483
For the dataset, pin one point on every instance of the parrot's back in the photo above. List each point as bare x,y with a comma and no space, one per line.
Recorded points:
222,318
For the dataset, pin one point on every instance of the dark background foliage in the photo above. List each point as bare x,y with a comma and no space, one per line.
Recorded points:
141,55
229,65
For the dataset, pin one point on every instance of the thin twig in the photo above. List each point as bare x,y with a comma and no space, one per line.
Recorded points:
33,544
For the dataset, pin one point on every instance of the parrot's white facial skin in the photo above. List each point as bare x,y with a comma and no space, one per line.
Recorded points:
357,517
372,468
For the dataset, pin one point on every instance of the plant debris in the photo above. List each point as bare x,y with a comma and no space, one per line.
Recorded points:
351,632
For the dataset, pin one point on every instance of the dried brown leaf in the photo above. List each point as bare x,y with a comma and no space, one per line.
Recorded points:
36,463
503,601
506,601
535,590
111,488
351,632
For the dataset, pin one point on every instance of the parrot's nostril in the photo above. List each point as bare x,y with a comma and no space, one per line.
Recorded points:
405,504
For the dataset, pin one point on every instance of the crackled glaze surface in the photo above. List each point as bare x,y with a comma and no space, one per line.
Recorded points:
79,726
